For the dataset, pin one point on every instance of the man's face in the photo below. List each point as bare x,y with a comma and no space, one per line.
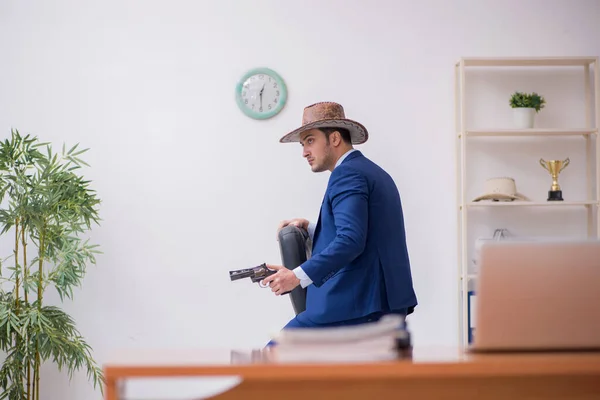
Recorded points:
316,150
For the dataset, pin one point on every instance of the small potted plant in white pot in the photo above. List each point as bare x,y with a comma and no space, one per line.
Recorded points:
525,106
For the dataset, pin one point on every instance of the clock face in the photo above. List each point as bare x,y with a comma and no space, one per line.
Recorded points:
261,93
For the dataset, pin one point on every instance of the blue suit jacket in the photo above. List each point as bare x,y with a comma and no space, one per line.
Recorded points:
359,263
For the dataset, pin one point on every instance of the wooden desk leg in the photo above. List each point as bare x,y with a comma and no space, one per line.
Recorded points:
111,389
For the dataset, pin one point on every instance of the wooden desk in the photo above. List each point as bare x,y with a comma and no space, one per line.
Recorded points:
428,374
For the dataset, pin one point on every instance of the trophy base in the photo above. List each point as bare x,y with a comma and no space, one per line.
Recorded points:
555,195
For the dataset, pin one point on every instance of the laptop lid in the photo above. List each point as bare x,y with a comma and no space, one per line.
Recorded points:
542,295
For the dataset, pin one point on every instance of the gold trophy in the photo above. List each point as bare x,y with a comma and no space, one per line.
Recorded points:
555,167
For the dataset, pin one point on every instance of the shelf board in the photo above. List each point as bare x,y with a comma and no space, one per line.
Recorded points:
532,132
527,61
530,203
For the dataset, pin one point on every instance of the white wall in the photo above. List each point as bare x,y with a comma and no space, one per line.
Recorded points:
192,188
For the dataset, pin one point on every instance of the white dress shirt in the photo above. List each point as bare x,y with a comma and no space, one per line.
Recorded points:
298,271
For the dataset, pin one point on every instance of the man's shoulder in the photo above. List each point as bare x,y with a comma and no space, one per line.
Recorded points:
369,171
347,171
351,167
360,164
359,170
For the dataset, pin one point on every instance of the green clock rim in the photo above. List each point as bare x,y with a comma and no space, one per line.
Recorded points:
256,114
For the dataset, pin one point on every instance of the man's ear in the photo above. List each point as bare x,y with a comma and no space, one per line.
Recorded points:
337,138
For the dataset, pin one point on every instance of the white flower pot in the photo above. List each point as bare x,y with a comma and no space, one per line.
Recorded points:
523,117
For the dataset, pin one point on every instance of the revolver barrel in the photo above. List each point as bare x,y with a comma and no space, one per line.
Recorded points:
256,274
240,274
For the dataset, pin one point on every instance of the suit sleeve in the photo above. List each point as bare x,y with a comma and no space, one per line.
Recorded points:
349,195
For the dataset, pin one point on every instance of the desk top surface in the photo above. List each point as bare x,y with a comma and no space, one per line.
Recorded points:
264,364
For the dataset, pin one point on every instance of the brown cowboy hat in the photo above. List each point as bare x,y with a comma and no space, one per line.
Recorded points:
327,115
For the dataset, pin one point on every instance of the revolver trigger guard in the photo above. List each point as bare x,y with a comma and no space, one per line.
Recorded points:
262,285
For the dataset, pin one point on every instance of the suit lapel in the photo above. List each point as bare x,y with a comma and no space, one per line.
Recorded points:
318,227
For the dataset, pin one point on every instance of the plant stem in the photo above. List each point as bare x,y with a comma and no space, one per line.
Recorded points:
17,286
25,267
42,252
25,277
18,282
37,375
34,385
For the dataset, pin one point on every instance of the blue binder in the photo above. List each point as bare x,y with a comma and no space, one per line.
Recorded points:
470,314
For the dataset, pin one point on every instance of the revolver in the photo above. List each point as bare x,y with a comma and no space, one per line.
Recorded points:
256,274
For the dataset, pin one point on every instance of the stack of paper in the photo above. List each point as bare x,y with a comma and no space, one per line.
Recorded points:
373,341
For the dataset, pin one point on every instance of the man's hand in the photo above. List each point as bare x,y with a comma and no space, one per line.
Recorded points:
284,280
299,222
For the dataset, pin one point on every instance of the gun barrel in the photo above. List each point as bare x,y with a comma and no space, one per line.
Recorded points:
240,274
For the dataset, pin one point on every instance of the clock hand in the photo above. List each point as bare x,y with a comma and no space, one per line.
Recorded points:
261,93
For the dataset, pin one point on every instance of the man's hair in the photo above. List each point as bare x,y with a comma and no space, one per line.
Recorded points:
345,133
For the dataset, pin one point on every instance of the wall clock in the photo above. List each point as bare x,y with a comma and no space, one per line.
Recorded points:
261,93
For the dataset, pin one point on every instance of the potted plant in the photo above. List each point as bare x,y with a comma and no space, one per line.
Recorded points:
44,208
525,106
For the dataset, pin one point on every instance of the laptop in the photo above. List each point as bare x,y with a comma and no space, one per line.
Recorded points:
538,296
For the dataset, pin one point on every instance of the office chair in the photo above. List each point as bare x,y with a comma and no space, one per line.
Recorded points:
295,249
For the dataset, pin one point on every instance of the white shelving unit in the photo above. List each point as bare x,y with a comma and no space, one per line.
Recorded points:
589,132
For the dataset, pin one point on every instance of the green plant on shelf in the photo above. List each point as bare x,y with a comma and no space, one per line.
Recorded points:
527,100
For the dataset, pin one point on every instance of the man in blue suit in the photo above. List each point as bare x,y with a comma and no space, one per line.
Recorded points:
359,269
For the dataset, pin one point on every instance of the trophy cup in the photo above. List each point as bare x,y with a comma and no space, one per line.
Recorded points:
554,167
